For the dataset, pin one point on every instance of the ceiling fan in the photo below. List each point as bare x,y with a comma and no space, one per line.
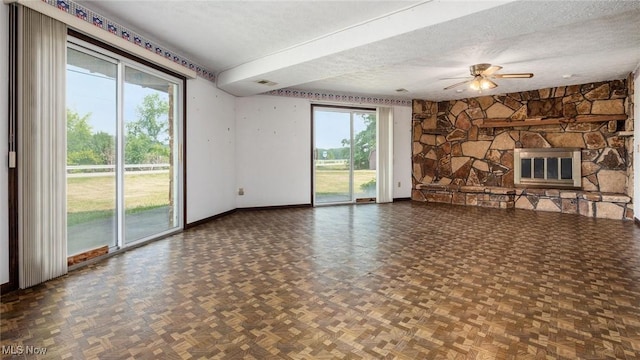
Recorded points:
482,75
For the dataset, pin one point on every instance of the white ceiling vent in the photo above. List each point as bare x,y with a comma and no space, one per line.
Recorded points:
266,82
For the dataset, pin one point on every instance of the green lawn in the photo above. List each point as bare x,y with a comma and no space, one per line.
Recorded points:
91,198
337,181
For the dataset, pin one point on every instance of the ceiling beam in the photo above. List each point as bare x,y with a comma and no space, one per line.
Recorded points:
241,80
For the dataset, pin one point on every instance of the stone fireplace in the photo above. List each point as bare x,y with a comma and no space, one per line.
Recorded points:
464,151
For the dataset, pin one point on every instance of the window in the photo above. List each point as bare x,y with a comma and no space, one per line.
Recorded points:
124,135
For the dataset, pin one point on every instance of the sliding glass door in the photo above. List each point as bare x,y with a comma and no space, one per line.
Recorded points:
150,154
92,108
364,155
123,141
344,155
332,157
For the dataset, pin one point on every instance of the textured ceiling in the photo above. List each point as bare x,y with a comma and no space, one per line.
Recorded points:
374,47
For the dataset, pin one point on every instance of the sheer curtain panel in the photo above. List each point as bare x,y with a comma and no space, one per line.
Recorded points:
41,148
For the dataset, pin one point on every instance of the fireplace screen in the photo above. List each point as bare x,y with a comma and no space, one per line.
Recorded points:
550,168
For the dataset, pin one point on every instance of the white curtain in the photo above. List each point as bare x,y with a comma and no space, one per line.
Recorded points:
42,221
385,155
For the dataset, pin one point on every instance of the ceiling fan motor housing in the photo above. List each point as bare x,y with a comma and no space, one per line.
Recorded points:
477,69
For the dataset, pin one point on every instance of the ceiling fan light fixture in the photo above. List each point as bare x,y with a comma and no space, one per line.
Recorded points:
475,84
486,84
480,83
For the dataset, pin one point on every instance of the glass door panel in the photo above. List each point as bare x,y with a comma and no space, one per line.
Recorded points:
150,156
91,151
332,166
123,163
364,155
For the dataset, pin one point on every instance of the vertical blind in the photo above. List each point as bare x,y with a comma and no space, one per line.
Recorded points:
41,148
385,155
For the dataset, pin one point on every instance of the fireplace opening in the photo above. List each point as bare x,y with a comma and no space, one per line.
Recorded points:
547,168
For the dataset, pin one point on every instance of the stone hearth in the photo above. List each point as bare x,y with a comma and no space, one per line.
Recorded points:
463,149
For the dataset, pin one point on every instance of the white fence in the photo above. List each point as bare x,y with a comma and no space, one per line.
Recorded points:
110,170
332,162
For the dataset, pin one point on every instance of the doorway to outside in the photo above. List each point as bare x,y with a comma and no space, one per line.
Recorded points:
344,166
124,172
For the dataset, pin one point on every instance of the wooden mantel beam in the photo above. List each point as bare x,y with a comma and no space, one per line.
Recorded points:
498,123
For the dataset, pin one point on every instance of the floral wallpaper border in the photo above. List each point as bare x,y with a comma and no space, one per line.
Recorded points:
344,98
106,24
111,26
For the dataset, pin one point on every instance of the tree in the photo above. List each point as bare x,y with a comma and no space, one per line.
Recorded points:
137,148
79,139
152,118
103,145
147,139
365,142
83,146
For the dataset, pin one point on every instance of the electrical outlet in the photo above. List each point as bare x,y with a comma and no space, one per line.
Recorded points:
240,191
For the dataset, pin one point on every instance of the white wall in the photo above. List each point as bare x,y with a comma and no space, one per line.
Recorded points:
401,152
211,165
273,149
4,146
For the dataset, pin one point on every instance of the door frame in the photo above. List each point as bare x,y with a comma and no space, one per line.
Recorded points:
123,60
313,148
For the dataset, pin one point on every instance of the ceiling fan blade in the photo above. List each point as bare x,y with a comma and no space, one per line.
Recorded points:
512,76
455,78
492,69
457,84
491,84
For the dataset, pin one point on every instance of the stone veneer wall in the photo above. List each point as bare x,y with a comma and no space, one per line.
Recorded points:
466,146
629,106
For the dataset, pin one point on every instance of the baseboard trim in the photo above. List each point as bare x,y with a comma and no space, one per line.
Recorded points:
7,288
275,207
401,199
209,219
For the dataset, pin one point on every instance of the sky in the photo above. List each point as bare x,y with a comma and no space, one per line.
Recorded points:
96,94
331,127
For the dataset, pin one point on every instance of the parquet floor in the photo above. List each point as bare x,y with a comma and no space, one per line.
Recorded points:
404,280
